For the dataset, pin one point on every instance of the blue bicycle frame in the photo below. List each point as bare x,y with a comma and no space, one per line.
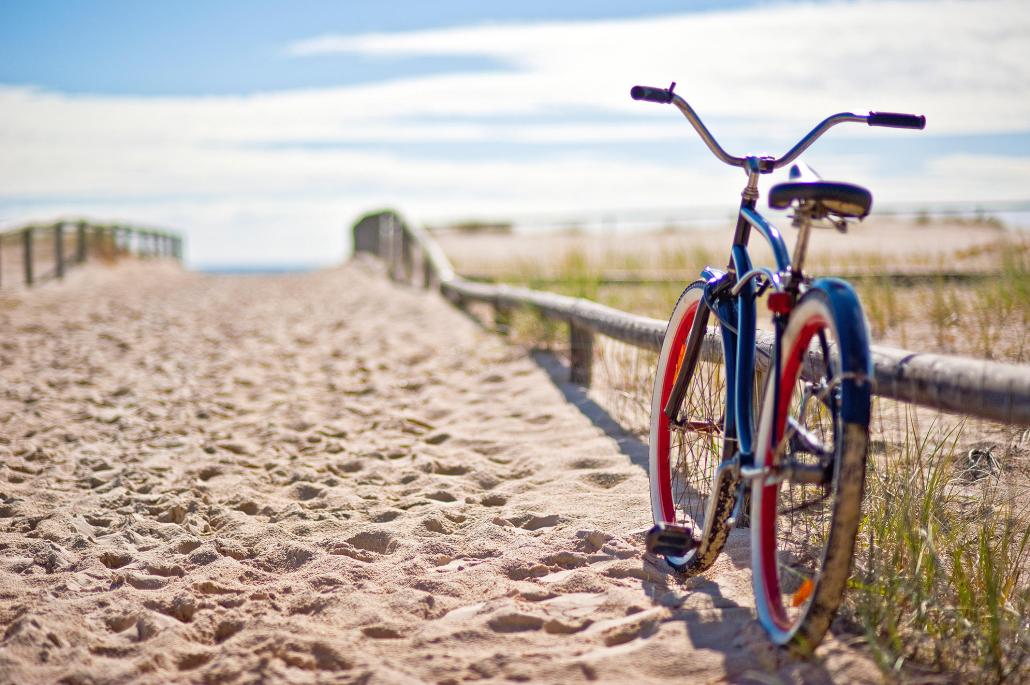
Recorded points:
737,318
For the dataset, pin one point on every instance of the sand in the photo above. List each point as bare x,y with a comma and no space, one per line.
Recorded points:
876,243
331,478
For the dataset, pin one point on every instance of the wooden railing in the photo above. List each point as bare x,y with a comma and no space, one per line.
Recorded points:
38,252
973,387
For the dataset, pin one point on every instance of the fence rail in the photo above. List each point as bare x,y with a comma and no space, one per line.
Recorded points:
48,251
973,387
897,277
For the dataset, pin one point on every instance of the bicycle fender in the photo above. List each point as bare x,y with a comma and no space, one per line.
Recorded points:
856,358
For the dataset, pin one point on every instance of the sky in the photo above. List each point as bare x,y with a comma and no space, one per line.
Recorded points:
263,130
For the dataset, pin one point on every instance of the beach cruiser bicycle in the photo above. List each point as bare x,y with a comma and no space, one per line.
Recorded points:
796,477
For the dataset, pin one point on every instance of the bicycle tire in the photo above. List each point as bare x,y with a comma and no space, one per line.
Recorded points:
803,533
684,471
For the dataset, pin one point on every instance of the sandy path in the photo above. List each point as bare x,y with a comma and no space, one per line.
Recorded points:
329,478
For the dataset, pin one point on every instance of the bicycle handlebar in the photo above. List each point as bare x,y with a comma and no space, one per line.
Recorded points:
660,95
894,120
768,164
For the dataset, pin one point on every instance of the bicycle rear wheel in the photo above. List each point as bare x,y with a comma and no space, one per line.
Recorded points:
814,436
686,486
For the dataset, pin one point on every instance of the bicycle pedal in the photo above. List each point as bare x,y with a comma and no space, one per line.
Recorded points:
669,539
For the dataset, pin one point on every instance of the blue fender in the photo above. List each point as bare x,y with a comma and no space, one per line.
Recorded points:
856,358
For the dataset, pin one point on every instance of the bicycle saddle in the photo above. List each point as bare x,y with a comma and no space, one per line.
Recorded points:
840,199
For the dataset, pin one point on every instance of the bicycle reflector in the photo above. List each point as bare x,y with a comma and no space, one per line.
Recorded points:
779,303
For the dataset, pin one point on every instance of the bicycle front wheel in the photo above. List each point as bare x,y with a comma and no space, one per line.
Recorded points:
687,488
812,440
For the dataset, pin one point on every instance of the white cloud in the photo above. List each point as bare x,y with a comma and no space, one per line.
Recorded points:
218,166
965,63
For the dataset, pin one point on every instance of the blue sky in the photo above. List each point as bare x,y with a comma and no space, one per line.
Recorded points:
231,47
262,129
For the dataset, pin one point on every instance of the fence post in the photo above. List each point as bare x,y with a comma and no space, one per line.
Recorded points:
385,247
427,271
396,246
407,258
392,246
367,235
581,353
27,254
59,249
80,242
502,319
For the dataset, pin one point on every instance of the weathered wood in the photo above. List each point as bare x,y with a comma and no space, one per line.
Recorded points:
388,243
425,269
502,319
899,277
59,249
27,254
366,234
407,257
80,242
107,242
988,390
581,353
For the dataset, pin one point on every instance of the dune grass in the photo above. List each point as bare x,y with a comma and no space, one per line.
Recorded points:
942,568
941,565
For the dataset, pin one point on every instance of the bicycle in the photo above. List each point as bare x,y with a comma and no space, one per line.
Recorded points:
802,468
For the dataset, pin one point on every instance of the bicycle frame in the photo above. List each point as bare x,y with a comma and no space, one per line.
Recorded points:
737,318
741,272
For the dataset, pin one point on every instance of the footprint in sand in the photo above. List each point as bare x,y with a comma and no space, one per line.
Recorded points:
445,469
381,632
515,623
113,560
604,479
619,631
226,629
531,521
589,463
384,516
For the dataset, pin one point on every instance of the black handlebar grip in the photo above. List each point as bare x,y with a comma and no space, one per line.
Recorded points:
894,120
651,94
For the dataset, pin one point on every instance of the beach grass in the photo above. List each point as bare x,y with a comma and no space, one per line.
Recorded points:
941,578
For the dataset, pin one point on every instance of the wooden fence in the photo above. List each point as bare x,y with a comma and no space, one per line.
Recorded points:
973,387
39,252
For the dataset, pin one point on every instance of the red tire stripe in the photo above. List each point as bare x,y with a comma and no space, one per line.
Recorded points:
767,523
668,380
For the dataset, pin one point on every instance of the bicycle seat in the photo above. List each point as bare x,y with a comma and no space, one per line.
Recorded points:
840,199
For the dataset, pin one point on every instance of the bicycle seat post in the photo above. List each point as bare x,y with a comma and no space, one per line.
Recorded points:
803,222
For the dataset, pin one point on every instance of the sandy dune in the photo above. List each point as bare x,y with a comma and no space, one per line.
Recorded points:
880,242
330,478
